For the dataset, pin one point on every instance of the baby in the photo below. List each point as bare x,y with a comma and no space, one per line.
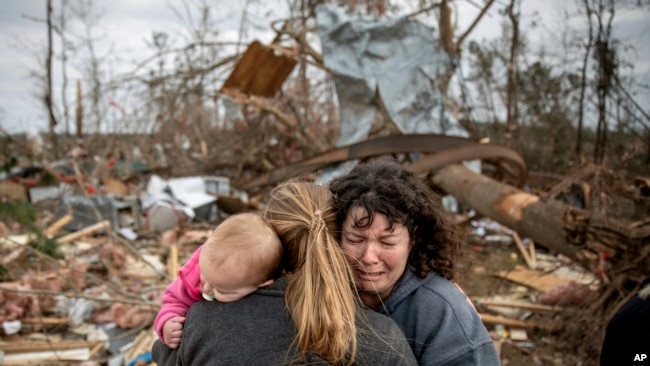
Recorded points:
240,255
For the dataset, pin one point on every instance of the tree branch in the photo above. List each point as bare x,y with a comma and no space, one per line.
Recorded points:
464,35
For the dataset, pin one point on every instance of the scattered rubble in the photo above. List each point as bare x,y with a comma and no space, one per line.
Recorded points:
92,299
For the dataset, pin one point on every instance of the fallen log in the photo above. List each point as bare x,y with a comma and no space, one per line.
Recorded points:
584,236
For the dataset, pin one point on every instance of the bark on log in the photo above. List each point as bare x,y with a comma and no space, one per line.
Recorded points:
578,234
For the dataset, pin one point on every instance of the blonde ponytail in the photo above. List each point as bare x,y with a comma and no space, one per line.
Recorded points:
320,293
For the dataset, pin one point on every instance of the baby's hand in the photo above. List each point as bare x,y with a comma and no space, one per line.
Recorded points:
173,331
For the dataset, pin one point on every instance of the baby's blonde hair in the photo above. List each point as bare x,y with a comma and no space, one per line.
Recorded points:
245,243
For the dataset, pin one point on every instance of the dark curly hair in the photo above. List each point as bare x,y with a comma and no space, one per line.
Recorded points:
384,186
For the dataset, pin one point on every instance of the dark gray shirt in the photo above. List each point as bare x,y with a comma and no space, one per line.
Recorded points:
258,330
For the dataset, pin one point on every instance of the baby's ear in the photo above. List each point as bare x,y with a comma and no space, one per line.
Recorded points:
266,283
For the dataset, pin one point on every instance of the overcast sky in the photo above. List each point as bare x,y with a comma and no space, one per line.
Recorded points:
124,26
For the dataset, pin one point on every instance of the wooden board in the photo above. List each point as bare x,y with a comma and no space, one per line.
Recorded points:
29,352
533,278
260,71
13,191
493,319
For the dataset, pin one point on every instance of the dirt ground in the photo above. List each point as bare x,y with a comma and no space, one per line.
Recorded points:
477,278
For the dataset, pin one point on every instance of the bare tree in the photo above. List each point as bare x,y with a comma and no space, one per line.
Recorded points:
583,82
512,124
64,65
606,64
87,15
48,70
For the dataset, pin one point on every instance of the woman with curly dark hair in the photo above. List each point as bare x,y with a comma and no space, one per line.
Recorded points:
401,245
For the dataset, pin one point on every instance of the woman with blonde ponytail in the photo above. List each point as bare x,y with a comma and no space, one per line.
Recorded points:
310,315
320,292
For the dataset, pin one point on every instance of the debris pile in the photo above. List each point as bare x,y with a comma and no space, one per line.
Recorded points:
82,272
83,266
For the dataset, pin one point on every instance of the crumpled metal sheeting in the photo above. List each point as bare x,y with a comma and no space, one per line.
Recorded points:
397,60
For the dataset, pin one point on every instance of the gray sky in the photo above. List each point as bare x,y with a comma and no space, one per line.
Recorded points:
124,25
122,31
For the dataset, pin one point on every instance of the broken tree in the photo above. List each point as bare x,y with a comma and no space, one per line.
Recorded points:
589,237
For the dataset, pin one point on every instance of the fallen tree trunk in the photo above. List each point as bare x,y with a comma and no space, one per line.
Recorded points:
584,236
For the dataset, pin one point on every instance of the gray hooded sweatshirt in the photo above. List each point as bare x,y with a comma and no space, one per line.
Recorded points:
441,325
258,330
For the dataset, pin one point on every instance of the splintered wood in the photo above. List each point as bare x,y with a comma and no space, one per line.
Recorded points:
538,280
30,352
512,205
527,252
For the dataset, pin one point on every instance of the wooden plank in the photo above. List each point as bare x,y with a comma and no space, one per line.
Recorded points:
524,252
533,253
518,304
33,346
30,358
533,278
21,239
89,230
13,191
172,264
14,255
45,321
493,319
56,226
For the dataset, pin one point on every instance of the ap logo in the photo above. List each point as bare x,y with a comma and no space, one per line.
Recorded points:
640,357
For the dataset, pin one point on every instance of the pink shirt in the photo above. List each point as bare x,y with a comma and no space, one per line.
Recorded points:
180,294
